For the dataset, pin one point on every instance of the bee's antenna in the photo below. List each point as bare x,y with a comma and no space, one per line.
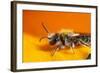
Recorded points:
45,28
42,38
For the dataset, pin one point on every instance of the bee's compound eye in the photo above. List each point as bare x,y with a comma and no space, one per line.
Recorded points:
52,38
49,38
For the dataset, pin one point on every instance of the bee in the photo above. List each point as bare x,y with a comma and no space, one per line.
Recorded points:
68,39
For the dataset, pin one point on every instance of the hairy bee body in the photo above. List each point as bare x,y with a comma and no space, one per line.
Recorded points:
63,40
67,38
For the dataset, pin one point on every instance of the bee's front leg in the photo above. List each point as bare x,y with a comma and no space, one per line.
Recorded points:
55,51
59,46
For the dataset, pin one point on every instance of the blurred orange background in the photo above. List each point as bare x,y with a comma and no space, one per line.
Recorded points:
54,21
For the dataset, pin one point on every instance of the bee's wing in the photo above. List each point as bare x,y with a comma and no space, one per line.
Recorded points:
85,34
72,34
76,34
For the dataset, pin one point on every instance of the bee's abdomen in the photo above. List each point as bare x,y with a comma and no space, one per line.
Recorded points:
86,39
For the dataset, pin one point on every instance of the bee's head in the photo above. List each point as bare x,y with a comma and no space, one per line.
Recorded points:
52,38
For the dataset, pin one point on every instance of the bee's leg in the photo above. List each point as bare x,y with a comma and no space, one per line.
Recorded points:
55,51
72,46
